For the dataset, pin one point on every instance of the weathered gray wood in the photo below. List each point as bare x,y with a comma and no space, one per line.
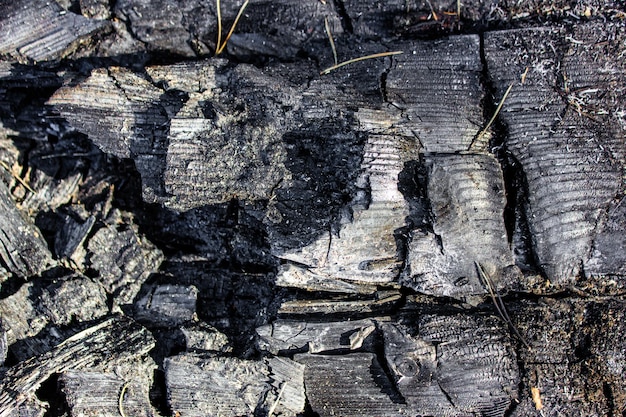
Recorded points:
104,394
285,336
116,341
41,30
223,386
467,198
22,249
564,130
349,385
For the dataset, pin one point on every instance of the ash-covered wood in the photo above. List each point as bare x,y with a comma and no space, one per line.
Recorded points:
303,244
201,337
74,298
466,193
41,30
565,130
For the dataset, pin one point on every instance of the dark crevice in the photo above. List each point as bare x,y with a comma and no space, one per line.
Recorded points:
50,392
158,394
346,21
390,387
516,188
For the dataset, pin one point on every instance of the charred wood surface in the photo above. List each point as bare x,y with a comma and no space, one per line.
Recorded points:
196,225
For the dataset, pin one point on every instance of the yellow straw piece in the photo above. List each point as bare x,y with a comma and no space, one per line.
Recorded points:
362,58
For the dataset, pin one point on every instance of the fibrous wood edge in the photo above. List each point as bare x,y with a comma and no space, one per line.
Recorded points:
22,248
112,342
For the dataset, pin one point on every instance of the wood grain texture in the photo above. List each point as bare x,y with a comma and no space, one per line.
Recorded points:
104,394
349,385
436,86
564,129
364,249
112,342
226,386
122,113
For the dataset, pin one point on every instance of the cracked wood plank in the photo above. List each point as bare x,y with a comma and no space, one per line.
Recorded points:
466,198
42,30
566,132
227,386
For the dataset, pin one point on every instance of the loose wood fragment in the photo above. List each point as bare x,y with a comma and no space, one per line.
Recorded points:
70,239
113,341
41,31
74,298
123,115
200,337
22,249
124,259
288,336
